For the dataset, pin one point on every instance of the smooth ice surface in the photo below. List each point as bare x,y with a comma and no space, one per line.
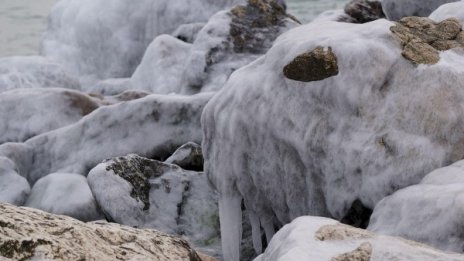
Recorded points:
397,9
323,239
430,212
153,126
14,189
449,10
292,148
34,72
28,112
98,45
64,194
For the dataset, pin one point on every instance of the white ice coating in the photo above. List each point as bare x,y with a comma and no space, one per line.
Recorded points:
430,212
291,148
34,72
445,11
323,239
64,194
151,126
99,39
28,112
14,189
397,9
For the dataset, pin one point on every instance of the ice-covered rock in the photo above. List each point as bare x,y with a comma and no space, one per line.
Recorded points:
188,32
290,148
450,10
34,72
153,126
145,193
28,112
30,234
363,11
64,194
323,239
97,39
397,9
230,40
14,189
188,156
430,212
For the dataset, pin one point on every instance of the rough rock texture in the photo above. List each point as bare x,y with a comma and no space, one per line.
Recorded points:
230,40
115,40
153,126
28,112
14,189
323,239
145,193
34,72
316,65
189,156
363,11
397,9
430,212
422,39
28,234
290,148
64,194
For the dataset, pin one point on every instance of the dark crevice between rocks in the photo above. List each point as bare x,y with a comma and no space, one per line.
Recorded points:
316,65
181,204
358,215
422,39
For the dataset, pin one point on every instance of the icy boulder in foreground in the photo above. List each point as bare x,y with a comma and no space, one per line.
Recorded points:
34,72
28,112
314,126
153,126
64,194
99,39
397,9
455,9
430,212
230,40
323,239
14,189
145,193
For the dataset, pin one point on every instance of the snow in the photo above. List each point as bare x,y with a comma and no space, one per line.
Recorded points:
64,194
97,45
14,189
151,126
28,112
34,72
449,10
292,148
430,212
397,9
323,239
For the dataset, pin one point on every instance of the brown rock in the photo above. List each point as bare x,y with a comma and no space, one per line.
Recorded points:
363,11
419,52
362,253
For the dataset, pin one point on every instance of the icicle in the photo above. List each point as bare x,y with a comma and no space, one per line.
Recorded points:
268,225
230,215
255,232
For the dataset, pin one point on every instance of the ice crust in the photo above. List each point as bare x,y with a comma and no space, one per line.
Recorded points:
397,9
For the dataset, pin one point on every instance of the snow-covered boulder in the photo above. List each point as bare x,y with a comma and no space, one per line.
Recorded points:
430,212
34,72
28,112
230,40
323,239
153,126
455,9
30,234
64,194
97,39
14,189
188,32
397,9
145,193
305,130
188,156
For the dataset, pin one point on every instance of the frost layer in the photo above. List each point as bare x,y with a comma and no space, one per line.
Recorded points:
430,212
449,10
291,148
397,9
323,239
99,39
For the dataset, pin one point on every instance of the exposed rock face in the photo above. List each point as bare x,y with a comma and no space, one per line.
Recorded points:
316,65
189,156
363,11
32,234
317,147
429,212
397,9
145,193
315,238
422,39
